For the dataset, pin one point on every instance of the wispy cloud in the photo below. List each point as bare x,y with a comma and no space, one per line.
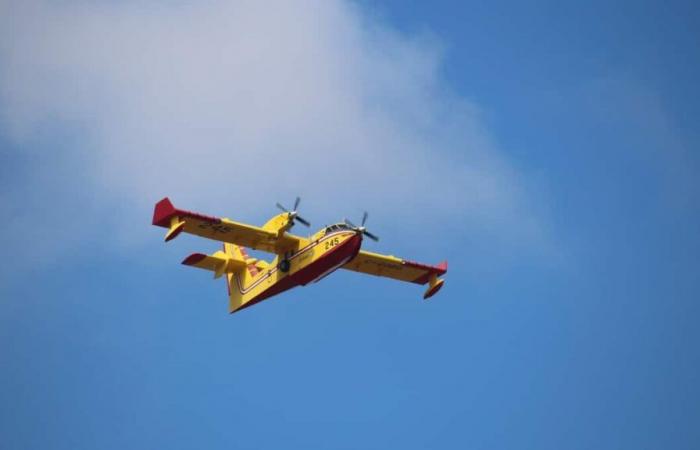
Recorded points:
229,106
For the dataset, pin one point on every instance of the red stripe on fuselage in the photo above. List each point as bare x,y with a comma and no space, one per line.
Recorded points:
332,259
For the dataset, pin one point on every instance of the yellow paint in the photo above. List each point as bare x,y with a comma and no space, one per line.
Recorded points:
175,227
245,287
278,224
248,278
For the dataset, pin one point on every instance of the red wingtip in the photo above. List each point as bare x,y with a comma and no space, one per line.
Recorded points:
193,259
440,269
162,213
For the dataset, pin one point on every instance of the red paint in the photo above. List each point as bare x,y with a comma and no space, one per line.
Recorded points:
252,268
440,269
193,259
345,251
165,210
162,213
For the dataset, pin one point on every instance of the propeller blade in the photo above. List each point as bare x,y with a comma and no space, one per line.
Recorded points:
350,224
296,203
364,219
282,207
302,221
370,235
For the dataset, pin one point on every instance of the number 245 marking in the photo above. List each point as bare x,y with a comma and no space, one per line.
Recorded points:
332,243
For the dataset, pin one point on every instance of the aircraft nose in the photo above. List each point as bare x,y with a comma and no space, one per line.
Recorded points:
355,241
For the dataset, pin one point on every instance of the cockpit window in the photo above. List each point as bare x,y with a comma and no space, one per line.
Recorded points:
336,227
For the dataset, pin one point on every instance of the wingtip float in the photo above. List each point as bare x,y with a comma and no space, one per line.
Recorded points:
298,261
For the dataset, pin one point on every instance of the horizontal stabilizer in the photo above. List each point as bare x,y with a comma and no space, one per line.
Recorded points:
219,263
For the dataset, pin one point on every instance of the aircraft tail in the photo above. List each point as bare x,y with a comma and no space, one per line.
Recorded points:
238,280
239,268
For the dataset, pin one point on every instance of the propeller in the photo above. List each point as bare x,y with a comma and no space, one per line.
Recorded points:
362,229
293,215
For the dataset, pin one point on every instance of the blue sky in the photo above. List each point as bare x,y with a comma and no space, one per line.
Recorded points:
548,151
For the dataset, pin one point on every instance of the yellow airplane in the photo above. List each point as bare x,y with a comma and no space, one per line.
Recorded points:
298,261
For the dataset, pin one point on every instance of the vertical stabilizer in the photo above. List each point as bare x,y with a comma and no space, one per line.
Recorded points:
241,278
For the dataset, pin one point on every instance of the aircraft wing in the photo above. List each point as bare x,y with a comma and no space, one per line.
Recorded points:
220,229
399,269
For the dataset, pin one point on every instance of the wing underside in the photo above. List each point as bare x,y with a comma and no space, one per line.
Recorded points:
399,269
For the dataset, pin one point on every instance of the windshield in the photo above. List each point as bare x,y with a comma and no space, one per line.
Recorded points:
336,227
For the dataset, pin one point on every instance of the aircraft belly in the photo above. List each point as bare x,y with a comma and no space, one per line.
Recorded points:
331,261
322,264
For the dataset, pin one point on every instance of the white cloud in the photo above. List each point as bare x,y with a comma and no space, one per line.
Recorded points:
229,106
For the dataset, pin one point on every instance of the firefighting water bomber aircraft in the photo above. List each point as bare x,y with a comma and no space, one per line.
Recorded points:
298,260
